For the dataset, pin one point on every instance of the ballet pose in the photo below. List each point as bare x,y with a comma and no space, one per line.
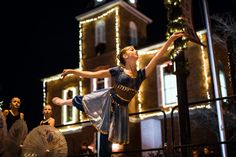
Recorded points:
108,108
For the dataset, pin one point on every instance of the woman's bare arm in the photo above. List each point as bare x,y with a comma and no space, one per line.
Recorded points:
22,116
86,74
154,61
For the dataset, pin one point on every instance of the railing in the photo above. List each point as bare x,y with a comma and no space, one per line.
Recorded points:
164,144
171,149
176,147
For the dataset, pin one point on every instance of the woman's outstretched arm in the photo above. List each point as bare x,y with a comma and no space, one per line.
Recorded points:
154,61
86,74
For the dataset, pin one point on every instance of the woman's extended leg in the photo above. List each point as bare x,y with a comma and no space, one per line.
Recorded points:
76,101
105,148
59,101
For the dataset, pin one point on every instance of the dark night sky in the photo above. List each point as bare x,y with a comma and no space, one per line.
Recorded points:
39,39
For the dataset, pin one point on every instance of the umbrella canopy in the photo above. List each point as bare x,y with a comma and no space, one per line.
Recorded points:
3,129
13,141
45,141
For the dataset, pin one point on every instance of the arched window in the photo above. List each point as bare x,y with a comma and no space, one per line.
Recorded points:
133,34
100,37
100,33
69,113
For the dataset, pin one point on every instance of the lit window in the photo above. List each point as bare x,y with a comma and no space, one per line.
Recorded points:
133,34
100,36
167,87
100,83
69,113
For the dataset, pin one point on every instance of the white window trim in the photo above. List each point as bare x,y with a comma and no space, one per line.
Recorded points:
94,81
160,86
223,85
64,107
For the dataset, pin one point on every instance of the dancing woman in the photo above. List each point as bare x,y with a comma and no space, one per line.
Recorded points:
108,108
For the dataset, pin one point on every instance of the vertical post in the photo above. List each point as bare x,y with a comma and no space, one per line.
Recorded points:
184,122
215,82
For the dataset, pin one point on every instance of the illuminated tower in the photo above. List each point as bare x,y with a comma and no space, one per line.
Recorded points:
103,31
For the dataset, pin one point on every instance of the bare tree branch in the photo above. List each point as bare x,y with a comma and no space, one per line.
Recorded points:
224,26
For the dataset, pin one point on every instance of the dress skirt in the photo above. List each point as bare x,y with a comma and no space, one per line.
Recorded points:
107,117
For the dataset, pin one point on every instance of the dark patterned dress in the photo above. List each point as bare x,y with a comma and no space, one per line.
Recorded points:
107,108
11,119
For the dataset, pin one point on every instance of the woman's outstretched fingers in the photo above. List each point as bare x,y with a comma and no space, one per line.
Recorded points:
64,73
177,35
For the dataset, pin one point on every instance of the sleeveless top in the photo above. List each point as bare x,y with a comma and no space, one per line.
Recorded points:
44,122
10,119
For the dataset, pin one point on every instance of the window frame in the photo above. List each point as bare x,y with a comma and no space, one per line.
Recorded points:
100,32
133,33
64,107
161,92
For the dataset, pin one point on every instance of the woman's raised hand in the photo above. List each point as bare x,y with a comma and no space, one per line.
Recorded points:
176,35
66,72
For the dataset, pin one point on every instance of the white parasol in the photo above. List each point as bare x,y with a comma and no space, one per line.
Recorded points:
44,141
14,139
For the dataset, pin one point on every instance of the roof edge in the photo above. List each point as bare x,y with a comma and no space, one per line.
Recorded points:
110,5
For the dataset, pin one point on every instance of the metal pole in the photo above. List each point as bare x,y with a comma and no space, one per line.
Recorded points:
215,82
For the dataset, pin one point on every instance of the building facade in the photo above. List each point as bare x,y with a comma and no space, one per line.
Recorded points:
103,32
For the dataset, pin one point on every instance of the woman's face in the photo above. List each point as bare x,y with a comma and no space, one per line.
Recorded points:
47,109
15,103
131,53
